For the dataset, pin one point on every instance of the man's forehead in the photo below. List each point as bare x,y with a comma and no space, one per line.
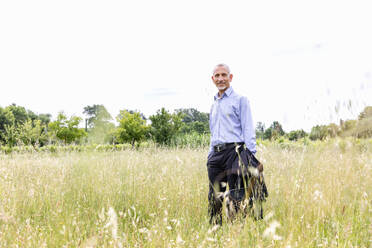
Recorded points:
220,70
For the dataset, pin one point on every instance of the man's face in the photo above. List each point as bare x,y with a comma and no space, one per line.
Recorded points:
222,78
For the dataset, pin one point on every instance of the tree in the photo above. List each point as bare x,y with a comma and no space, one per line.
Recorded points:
296,134
32,133
347,125
260,130
363,128
15,116
333,130
66,129
347,128
10,136
319,132
165,125
277,130
143,117
45,118
96,113
101,133
199,127
132,128
366,113
274,131
20,113
8,128
99,124
6,119
268,133
192,115
193,120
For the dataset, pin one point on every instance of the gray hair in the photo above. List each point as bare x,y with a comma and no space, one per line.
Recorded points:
221,65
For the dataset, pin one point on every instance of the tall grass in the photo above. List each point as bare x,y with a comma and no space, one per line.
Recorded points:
190,140
320,196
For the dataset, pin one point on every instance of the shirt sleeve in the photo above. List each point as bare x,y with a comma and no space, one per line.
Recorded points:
247,125
210,129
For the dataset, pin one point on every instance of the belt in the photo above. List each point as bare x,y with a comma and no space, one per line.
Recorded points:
224,146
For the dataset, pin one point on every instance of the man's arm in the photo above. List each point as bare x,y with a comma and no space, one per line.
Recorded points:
247,125
210,130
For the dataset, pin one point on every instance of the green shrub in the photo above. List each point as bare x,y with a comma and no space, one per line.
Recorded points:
6,149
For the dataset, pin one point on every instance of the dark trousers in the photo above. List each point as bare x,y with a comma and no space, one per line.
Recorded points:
223,169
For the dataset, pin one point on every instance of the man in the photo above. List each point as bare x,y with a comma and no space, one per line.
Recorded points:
233,142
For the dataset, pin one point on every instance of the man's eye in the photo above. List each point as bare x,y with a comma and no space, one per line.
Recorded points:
217,75
224,74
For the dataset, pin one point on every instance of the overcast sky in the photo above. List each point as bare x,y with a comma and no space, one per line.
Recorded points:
299,62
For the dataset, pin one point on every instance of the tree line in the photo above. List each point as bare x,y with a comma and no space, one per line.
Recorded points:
20,126
360,128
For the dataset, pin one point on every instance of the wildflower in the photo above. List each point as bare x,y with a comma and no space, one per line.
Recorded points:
6,218
269,216
179,160
213,229
297,184
211,239
101,215
270,232
318,195
113,222
143,230
63,231
90,243
31,193
175,222
179,239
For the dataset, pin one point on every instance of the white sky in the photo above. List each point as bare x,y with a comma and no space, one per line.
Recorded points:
297,61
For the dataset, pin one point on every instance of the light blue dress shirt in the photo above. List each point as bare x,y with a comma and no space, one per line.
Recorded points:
230,120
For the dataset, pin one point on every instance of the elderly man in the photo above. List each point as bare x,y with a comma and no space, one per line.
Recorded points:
232,139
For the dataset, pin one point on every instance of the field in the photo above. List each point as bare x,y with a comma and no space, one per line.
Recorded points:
320,196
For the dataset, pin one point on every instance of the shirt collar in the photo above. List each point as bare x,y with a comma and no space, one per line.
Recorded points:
226,93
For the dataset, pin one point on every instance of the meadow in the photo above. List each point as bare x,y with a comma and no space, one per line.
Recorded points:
320,195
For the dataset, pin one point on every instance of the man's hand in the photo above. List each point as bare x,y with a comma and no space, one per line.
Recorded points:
260,167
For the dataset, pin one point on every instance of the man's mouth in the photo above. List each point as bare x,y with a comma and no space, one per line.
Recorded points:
221,86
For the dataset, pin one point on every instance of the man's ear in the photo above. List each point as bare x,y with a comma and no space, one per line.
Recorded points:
231,76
